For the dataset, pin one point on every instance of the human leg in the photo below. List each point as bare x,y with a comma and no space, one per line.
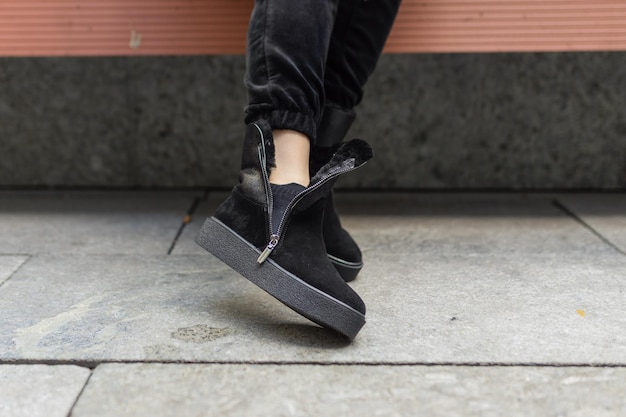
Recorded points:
286,56
360,31
359,35
285,255
291,158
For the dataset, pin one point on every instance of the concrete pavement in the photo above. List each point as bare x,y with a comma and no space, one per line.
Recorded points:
478,304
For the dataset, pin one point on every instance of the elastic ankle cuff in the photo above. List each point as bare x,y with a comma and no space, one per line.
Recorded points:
283,119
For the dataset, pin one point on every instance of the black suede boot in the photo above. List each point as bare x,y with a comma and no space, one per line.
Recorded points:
288,259
342,250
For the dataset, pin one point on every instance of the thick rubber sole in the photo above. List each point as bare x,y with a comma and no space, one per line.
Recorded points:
347,270
319,307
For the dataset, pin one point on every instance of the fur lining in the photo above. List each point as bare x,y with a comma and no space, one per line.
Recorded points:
349,156
320,156
356,149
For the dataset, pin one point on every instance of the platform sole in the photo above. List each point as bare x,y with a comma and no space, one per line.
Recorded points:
319,307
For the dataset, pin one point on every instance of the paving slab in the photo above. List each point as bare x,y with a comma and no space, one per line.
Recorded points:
311,390
457,223
605,213
186,244
465,223
9,264
40,390
424,308
106,222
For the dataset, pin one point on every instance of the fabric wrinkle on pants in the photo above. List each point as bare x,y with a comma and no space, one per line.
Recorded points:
359,35
305,54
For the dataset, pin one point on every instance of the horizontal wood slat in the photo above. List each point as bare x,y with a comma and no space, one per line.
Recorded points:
190,27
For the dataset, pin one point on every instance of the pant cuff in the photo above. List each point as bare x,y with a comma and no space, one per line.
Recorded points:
284,119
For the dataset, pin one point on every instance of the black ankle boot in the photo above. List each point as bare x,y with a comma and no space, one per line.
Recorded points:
343,251
289,259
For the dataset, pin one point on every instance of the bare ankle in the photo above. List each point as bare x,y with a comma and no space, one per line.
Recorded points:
292,151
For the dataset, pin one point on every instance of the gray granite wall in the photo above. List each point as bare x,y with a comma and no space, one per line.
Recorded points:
510,121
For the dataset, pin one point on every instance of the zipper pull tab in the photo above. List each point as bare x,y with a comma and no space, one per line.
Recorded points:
270,247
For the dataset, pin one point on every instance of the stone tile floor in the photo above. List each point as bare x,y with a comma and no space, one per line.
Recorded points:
478,304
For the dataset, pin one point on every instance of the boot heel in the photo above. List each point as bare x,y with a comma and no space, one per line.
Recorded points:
347,270
240,255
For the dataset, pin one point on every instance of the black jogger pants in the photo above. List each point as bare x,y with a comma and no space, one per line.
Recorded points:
303,55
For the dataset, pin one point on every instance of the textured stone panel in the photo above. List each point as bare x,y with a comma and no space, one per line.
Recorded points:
91,222
549,120
66,122
496,121
311,390
190,119
40,390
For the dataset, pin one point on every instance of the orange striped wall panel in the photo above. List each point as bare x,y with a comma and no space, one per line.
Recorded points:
190,27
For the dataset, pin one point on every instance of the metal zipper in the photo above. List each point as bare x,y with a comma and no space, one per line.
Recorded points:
270,247
275,237
268,191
